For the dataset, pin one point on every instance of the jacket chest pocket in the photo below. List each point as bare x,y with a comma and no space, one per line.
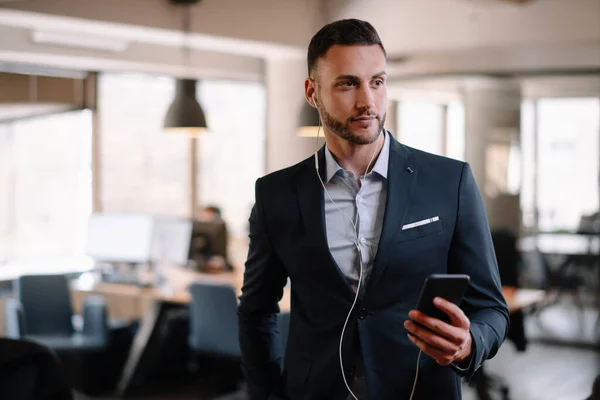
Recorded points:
413,232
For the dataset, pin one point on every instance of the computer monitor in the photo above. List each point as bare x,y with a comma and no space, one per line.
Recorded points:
171,241
209,238
120,237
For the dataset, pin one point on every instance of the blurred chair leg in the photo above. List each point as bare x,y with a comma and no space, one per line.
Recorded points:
578,301
485,383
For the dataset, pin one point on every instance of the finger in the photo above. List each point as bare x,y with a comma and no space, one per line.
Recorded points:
457,316
440,357
452,333
431,338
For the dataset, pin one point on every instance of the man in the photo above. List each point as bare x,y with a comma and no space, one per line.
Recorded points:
411,215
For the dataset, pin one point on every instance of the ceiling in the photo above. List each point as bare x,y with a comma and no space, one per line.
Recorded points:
233,39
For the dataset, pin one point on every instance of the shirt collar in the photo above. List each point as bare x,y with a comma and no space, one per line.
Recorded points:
381,165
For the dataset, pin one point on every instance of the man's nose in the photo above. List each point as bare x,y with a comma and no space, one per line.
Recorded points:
365,99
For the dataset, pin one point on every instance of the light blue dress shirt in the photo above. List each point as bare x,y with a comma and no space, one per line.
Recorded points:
364,205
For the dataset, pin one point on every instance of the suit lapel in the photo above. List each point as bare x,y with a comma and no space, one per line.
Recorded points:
311,204
401,183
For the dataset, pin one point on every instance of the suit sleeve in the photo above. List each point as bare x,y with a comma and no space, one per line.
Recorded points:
264,279
472,253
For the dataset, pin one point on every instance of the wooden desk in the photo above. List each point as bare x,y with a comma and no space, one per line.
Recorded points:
129,302
518,299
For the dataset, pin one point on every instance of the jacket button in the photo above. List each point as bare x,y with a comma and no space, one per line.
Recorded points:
362,313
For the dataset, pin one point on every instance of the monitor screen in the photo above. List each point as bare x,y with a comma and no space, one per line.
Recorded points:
120,237
171,240
209,238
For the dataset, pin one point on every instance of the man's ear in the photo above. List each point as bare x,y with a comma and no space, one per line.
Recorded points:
310,92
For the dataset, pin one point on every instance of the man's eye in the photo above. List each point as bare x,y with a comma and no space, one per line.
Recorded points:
347,83
379,82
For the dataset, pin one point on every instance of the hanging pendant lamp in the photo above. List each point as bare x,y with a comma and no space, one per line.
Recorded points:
185,115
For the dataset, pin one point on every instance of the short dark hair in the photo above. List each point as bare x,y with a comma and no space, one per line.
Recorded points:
345,32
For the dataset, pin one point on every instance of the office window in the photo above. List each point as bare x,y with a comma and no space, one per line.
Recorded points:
568,157
232,154
565,177
527,195
455,130
46,187
421,125
142,169
6,193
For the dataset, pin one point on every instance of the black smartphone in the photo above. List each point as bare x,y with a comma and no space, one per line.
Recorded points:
451,287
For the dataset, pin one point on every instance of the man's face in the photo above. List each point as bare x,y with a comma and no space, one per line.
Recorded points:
351,92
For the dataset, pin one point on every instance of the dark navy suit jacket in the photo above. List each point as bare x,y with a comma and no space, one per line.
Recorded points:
288,239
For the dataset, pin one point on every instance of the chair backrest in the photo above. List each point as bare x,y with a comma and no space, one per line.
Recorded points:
589,223
46,304
213,320
507,255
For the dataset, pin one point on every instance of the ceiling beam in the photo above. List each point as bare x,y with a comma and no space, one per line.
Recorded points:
32,89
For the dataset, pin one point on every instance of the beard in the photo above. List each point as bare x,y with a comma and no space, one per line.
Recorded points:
342,129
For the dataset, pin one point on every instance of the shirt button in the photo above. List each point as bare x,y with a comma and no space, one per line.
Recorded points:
363,241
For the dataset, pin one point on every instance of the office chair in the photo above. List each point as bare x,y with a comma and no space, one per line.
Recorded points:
557,282
213,320
283,322
42,312
30,371
213,331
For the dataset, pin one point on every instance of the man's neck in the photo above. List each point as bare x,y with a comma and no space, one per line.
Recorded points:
355,157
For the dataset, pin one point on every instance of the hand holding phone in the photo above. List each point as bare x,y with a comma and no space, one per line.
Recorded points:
449,287
441,330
